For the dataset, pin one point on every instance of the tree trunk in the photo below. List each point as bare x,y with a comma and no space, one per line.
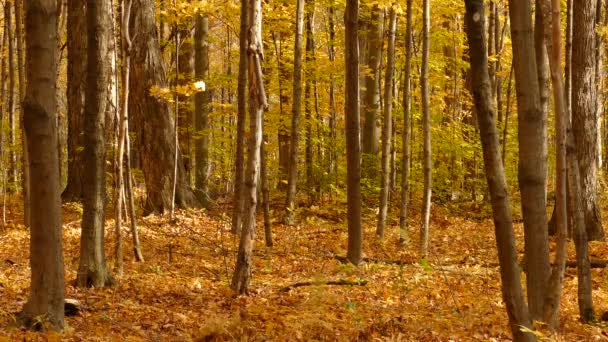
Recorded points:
353,147
584,121
371,99
426,129
405,162
46,298
239,161
8,27
308,97
265,190
21,74
257,102
333,165
92,270
152,119
599,81
77,76
532,171
387,127
202,102
296,111
495,174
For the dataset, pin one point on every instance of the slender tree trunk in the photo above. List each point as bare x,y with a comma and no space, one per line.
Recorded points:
46,297
353,147
154,126
532,171
8,26
21,74
257,102
77,76
371,99
265,191
332,95
405,162
495,175
93,270
584,121
308,97
296,111
202,102
426,128
387,127
239,162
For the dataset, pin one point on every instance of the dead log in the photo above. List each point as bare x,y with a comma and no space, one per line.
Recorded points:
324,282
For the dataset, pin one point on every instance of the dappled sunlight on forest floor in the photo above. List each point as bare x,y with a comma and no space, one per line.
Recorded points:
181,292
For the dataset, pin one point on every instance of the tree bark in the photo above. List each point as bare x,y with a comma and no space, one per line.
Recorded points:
46,298
8,27
92,270
77,81
239,162
21,75
296,111
353,147
405,139
202,103
152,119
387,127
426,128
584,121
257,102
532,168
495,175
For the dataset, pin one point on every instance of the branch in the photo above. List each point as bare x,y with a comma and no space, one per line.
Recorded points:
324,282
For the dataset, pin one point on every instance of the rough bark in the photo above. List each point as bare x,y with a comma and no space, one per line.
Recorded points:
353,147
21,75
152,119
495,175
257,102
584,120
46,297
92,270
387,126
426,129
532,168
296,111
239,161
405,139
77,77
202,103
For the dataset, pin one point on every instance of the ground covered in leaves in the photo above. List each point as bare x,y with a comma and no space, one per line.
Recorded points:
181,292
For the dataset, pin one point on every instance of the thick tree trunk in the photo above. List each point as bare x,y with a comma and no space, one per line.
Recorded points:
239,161
426,129
371,99
387,127
92,270
405,139
202,102
495,175
152,119
46,298
353,147
532,172
77,81
257,102
296,111
584,121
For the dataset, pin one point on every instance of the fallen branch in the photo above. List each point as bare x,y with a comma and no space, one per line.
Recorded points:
324,282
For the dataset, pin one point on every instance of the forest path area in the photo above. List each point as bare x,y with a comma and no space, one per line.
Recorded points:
181,292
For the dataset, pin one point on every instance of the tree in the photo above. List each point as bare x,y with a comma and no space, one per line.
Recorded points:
353,147
296,111
202,103
25,179
76,87
405,162
10,102
46,297
532,167
239,173
257,102
152,119
387,127
426,128
584,121
501,209
93,270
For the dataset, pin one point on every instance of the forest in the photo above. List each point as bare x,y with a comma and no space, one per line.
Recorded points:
295,170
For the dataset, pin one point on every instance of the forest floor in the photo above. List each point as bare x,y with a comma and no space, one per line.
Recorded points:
181,292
